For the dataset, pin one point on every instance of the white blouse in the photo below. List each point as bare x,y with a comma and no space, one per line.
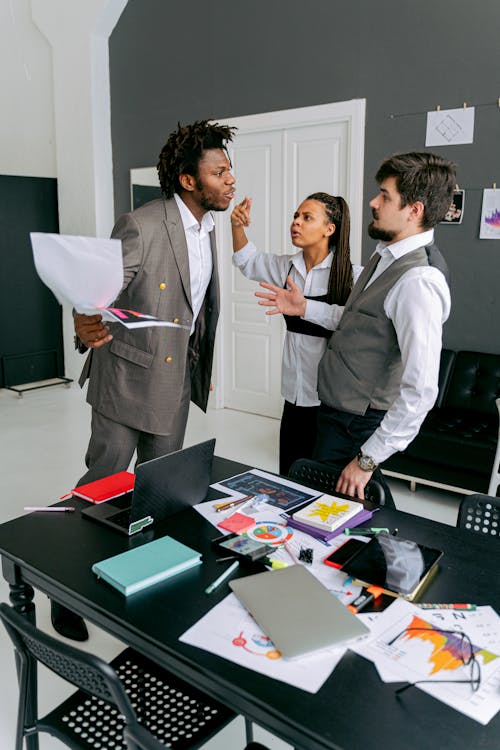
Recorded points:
301,353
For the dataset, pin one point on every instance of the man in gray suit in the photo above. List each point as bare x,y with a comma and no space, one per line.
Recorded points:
141,381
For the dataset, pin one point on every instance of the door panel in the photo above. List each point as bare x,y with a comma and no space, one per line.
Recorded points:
252,341
302,152
317,161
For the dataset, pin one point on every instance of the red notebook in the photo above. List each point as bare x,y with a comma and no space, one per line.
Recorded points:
106,488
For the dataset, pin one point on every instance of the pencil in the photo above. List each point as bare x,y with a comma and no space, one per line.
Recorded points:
50,508
215,584
221,507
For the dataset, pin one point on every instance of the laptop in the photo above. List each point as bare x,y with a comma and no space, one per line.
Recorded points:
296,611
162,487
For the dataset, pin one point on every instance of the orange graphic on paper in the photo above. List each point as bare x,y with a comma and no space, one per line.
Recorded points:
447,647
260,641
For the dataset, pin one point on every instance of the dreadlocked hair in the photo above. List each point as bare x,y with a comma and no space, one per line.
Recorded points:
340,279
184,149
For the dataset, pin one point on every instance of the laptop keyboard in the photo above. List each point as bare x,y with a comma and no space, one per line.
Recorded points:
122,518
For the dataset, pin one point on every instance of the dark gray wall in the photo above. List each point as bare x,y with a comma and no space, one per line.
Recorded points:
181,61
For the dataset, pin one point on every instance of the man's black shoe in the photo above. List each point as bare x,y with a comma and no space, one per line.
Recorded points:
67,623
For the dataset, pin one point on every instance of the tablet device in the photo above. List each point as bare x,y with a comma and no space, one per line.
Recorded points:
399,566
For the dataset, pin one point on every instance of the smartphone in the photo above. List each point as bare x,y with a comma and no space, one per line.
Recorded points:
345,552
240,544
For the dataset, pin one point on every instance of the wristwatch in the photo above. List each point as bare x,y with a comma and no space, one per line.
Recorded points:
366,462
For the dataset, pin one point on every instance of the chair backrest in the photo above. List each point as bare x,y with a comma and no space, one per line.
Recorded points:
481,514
322,477
86,671
446,363
473,383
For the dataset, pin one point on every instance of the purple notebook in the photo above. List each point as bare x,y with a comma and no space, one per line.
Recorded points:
325,536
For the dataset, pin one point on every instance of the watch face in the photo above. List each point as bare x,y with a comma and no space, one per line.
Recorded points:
366,463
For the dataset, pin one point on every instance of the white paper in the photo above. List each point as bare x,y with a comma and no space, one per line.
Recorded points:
490,215
448,127
285,493
82,272
421,658
334,580
229,631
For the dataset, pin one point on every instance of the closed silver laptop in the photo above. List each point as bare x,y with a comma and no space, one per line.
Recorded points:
296,611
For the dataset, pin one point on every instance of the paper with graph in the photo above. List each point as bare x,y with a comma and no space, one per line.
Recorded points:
424,653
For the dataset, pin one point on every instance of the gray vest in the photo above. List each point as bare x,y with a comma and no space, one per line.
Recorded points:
361,366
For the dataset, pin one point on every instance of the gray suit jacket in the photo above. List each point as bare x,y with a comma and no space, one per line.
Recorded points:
138,378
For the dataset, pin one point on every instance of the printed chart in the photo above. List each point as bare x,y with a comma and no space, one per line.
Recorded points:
408,645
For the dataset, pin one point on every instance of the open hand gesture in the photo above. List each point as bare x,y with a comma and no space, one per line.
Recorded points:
289,301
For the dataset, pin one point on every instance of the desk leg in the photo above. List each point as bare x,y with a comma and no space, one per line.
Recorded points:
21,596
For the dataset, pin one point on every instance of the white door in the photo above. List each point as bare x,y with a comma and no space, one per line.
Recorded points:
279,158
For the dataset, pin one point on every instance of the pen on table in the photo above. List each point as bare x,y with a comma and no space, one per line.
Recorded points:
469,607
232,504
362,601
368,530
365,598
292,554
50,508
215,584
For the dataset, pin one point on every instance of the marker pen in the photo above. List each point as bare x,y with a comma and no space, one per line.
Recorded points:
469,607
362,601
365,531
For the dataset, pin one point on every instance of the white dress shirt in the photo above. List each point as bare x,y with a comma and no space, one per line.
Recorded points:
199,253
301,353
418,305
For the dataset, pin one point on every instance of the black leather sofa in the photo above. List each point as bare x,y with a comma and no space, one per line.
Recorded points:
456,445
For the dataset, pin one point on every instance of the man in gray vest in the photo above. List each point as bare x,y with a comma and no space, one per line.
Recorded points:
379,375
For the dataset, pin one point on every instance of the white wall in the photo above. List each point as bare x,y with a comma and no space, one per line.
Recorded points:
27,142
56,119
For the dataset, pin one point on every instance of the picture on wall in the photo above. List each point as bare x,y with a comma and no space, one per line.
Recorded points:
448,127
455,213
490,215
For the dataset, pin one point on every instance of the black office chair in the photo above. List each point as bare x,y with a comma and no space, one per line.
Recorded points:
128,704
322,477
480,513
145,741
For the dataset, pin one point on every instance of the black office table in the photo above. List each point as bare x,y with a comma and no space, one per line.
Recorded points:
354,709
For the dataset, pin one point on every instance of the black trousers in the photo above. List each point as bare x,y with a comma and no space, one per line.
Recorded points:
297,434
340,436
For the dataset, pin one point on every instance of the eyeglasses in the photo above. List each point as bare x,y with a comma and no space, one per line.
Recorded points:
466,654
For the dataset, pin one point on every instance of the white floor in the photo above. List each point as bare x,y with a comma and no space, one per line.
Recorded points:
43,437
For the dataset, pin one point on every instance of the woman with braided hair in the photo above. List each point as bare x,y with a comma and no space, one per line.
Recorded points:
309,288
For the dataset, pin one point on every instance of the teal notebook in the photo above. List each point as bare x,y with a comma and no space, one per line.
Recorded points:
143,566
